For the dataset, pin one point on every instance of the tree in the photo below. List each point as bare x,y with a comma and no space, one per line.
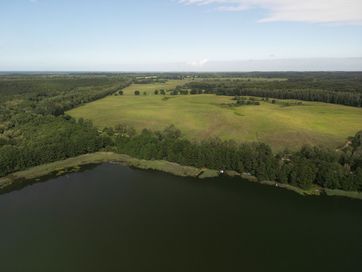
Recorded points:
303,173
9,156
137,93
283,173
330,175
171,132
357,140
358,178
156,92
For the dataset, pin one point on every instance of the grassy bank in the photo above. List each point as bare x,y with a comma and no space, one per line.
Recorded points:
75,164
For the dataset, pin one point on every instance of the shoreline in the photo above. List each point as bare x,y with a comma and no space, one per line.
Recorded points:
58,168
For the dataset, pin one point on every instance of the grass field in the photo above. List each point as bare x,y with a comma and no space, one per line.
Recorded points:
260,79
203,116
171,84
150,88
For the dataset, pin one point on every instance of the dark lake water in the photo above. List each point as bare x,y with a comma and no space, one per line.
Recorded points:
113,218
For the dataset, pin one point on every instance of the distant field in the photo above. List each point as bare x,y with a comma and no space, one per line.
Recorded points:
203,116
171,84
150,88
262,79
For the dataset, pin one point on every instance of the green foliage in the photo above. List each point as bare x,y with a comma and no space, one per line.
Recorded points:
330,174
240,101
124,130
47,139
357,140
303,173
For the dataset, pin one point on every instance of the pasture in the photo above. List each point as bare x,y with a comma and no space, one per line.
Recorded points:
150,88
203,116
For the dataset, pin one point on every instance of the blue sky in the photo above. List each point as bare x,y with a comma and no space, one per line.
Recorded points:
178,35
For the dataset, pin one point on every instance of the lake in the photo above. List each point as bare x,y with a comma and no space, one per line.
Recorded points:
114,218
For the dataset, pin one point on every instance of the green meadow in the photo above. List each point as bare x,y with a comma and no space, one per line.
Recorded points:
204,116
150,88
172,84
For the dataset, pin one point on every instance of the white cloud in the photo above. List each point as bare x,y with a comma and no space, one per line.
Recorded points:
314,11
199,63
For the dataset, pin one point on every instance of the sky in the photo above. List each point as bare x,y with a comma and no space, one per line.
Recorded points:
180,35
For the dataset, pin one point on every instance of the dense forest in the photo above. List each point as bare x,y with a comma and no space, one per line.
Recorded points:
53,94
34,130
43,139
33,127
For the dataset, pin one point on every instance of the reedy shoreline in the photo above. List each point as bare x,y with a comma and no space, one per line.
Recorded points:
31,175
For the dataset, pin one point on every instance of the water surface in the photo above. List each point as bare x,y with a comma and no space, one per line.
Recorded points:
113,218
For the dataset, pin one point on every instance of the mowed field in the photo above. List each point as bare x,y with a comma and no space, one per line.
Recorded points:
203,116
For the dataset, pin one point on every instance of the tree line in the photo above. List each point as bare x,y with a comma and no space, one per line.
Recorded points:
279,90
310,165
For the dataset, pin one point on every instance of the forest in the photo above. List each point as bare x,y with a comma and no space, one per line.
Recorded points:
53,94
34,130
